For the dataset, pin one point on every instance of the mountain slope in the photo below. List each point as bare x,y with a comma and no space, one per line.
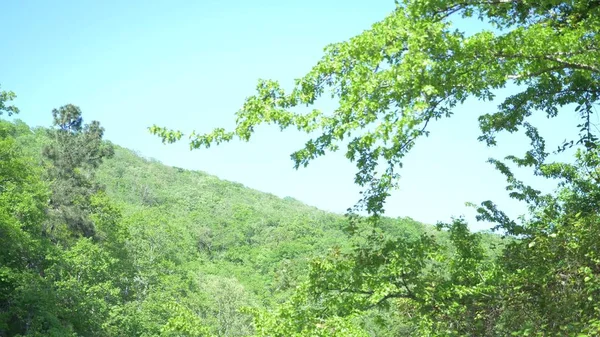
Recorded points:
186,251
263,240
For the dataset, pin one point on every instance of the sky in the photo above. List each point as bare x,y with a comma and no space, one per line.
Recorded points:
189,65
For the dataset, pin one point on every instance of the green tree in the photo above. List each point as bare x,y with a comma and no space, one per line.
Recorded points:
413,67
75,152
45,290
5,97
227,298
24,299
390,83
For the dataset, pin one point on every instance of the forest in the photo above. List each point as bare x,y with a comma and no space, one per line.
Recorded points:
97,240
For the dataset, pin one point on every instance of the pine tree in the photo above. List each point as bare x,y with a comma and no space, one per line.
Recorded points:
75,152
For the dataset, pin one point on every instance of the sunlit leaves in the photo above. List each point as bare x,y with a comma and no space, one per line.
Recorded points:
5,98
413,67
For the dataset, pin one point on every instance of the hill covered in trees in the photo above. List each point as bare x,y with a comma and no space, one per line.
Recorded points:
390,83
127,246
96,241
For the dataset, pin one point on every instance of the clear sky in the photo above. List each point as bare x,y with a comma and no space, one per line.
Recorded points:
190,64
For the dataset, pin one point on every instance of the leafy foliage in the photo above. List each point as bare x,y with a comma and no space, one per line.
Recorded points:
5,97
163,251
390,83
412,68
174,252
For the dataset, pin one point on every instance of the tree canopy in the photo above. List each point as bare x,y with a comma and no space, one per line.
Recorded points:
5,98
174,252
73,155
97,241
390,83
414,67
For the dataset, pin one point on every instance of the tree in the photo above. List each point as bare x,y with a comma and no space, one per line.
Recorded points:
25,301
45,290
5,97
391,82
413,67
227,297
75,152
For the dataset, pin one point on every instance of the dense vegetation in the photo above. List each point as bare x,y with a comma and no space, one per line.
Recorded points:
96,241
391,82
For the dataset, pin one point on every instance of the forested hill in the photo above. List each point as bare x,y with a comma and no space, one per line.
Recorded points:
264,240
261,240
174,251
96,241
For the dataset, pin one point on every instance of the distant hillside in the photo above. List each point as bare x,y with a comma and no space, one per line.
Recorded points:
254,235
174,252
263,240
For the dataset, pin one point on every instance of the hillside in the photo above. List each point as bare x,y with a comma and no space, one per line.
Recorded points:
263,240
185,239
97,241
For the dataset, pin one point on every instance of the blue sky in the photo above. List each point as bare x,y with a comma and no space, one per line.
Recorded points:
189,65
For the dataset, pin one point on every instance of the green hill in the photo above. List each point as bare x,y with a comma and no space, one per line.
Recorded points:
174,247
